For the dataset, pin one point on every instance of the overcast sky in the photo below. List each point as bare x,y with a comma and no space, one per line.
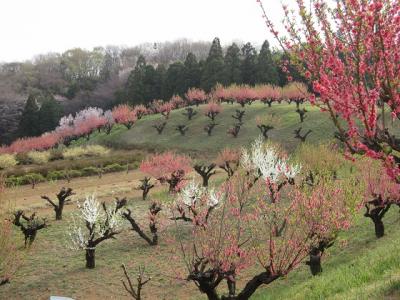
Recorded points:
30,27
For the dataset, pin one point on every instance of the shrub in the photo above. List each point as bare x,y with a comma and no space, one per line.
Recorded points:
57,154
13,181
89,171
88,151
96,150
32,179
114,168
39,157
7,161
23,158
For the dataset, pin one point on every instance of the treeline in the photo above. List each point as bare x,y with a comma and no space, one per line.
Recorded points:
238,65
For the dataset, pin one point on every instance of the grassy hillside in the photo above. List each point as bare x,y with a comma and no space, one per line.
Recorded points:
143,135
359,266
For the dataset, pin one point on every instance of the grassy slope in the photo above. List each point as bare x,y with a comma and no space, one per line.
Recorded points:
363,268
143,135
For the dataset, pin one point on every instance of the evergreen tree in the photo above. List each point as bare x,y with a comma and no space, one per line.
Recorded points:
49,114
213,71
150,84
29,122
192,72
249,64
232,65
267,71
161,73
135,90
174,80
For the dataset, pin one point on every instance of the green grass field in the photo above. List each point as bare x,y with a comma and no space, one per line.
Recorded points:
144,136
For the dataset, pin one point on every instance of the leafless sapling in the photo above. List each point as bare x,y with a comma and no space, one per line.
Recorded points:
154,209
30,227
62,198
135,292
234,131
239,114
190,113
302,114
182,129
145,186
160,127
264,129
298,135
209,128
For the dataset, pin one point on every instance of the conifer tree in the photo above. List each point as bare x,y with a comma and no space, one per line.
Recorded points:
29,125
249,64
192,72
266,68
213,71
232,68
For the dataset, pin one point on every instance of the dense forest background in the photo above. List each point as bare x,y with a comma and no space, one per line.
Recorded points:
35,94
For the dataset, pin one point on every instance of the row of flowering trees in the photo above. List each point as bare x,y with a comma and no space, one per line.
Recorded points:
91,119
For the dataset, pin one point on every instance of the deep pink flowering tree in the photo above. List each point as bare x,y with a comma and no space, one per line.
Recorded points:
348,51
168,168
125,115
196,96
212,109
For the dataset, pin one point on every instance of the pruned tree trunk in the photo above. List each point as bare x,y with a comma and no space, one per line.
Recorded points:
379,228
90,258
205,172
62,197
315,261
376,214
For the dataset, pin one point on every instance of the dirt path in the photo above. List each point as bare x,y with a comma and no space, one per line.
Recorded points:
106,188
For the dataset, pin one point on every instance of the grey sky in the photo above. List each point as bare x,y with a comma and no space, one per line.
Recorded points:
30,27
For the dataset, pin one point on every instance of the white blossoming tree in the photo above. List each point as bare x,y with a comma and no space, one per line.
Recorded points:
195,203
100,223
267,162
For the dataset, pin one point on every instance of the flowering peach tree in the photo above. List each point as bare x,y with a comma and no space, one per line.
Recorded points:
348,52
168,168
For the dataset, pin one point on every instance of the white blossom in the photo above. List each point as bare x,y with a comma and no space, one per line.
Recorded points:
191,193
267,162
214,198
91,210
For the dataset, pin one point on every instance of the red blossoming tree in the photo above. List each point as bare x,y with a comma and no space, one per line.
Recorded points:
125,115
348,51
212,109
196,96
168,168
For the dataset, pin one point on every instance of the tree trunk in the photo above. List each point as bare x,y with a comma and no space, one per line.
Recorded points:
90,258
59,212
379,228
205,181
254,284
315,262
145,192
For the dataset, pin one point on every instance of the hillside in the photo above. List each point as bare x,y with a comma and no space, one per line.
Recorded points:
143,135
358,266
